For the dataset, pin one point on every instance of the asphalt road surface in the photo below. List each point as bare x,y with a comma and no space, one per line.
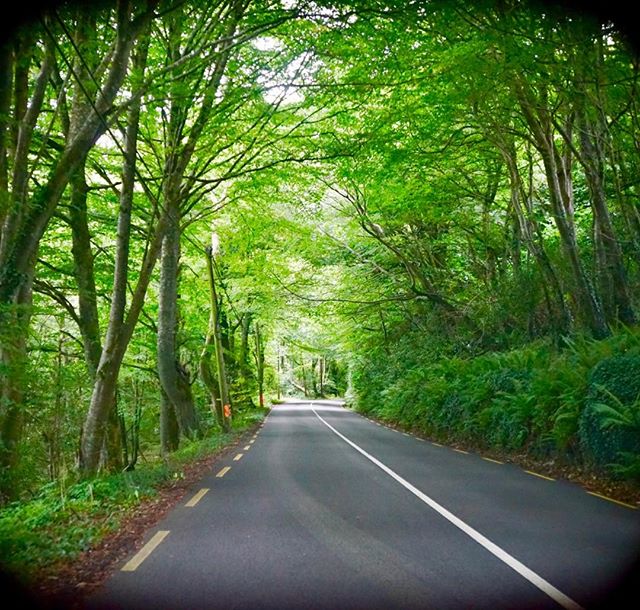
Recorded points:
325,509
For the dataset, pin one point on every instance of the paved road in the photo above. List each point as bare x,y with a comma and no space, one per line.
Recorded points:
328,510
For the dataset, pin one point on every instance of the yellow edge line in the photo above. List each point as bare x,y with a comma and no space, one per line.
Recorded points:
461,451
631,506
492,460
235,459
145,551
540,476
223,472
197,497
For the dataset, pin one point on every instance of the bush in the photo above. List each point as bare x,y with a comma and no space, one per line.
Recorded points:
537,398
614,388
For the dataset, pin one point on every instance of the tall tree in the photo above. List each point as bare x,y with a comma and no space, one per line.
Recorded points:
32,202
185,125
121,322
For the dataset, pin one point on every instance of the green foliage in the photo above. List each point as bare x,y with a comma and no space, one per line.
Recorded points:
385,215
533,399
60,522
610,422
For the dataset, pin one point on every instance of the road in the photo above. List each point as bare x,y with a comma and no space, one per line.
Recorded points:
325,509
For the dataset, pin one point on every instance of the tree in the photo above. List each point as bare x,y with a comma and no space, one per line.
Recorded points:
29,202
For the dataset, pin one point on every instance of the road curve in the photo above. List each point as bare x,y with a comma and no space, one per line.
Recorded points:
325,509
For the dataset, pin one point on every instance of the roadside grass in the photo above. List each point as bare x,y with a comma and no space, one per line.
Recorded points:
65,518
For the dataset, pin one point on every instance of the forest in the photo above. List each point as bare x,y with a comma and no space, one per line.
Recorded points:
431,209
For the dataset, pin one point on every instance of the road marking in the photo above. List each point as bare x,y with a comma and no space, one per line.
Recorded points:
494,549
238,457
253,440
492,460
540,476
406,434
631,506
134,563
461,451
420,439
246,448
197,497
223,472
436,444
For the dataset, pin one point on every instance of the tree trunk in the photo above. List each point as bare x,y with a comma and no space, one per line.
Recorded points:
314,378
260,365
178,156
243,356
304,379
6,81
630,212
119,333
223,384
169,429
172,375
31,212
120,329
207,375
603,278
559,181
610,261
533,242
88,319
13,359
112,458
561,201
590,106
96,423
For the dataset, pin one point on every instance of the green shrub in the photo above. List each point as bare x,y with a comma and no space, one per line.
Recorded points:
61,522
507,420
607,427
534,398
